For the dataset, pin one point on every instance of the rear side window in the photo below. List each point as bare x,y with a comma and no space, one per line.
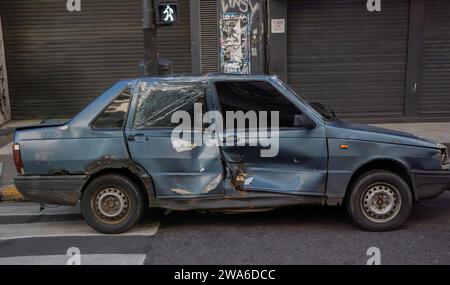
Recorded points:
158,102
114,116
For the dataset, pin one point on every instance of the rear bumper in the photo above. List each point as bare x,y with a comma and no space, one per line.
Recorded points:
55,189
430,183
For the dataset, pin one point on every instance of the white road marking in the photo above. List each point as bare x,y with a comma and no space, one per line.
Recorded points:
68,228
30,209
86,259
7,149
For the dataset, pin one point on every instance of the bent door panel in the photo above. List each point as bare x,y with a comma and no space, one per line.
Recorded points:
179,167
298,163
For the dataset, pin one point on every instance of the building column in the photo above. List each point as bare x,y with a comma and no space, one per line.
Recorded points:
277,36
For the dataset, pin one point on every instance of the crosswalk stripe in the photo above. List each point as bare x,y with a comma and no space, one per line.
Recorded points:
85,259
31,209
68,228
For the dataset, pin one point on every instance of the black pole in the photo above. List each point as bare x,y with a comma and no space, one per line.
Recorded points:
150,46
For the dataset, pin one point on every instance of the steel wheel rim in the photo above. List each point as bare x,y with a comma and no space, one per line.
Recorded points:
111,204
381,202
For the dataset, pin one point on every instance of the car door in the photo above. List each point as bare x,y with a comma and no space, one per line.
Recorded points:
298,165
179,167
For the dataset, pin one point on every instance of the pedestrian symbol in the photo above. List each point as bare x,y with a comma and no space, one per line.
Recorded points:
167,14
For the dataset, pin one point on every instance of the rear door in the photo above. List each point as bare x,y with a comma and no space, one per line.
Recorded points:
292,161
180,166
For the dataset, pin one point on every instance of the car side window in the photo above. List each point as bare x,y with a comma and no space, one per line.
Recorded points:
158,102
114,116
256,96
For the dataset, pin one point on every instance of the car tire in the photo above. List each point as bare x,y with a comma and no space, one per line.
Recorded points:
379,201
112,204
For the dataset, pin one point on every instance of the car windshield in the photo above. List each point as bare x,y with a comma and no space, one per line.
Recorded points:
324,111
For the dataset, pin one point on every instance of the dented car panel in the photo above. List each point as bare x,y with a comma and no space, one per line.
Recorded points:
313,165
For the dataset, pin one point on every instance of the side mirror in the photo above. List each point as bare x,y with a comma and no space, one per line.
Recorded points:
303,121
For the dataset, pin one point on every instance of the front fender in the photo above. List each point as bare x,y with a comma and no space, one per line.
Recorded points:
344,162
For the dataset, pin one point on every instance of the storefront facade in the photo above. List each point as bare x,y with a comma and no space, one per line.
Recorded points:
392,64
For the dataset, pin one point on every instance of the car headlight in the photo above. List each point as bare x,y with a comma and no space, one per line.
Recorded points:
444,157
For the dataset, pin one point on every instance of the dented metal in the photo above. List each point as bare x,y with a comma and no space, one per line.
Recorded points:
310,168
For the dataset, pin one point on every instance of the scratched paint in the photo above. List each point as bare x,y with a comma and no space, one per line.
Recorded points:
213,184
241,36
5,111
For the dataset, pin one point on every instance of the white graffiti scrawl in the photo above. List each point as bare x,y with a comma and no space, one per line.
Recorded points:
241,37
244,6
5,113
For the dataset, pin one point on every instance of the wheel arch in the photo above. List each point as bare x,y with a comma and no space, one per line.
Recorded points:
392,165
134,172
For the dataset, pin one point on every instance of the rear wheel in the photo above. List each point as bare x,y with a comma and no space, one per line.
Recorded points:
379,201
112,204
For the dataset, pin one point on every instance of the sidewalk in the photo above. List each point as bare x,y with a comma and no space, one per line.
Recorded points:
437,131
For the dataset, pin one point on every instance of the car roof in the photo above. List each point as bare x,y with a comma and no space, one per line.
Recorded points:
200,77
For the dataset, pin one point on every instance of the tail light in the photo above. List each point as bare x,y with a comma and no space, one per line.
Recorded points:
17,158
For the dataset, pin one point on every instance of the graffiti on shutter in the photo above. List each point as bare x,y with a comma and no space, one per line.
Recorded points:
241,26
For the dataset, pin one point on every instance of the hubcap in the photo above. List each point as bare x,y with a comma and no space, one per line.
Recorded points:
111,204
381,202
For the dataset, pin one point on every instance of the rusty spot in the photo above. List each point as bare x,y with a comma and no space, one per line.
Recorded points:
240,178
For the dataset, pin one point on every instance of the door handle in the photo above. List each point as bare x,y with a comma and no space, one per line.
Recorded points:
137,137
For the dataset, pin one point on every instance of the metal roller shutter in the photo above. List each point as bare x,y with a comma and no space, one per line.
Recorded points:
58,61
209,35
174,42
435,78
342,55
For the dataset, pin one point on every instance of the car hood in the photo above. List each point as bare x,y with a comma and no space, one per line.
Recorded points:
352,131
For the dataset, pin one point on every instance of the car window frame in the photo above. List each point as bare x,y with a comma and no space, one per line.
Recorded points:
133,111
219,107
99,114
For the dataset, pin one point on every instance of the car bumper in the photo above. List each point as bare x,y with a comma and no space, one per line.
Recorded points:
58,190
430,183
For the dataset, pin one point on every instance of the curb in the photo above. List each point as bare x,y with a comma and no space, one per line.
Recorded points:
10,193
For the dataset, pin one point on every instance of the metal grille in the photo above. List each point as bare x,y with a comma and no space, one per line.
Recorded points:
209,35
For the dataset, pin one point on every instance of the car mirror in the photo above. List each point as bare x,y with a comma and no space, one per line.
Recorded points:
303,121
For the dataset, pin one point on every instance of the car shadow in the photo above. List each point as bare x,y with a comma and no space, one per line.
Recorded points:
427,212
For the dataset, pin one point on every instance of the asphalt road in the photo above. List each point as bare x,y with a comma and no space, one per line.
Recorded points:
300,235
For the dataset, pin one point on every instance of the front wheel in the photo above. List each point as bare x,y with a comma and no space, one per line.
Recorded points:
112,204
379,201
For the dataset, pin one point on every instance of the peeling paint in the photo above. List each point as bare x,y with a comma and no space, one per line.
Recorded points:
181,191
213,184
182,145
248,181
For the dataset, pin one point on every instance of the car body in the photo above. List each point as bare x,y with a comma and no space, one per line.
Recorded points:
320,160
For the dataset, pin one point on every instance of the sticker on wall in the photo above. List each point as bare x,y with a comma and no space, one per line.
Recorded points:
278,26
234,38
241,26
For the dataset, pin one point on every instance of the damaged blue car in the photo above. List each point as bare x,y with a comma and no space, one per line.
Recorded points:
120,155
